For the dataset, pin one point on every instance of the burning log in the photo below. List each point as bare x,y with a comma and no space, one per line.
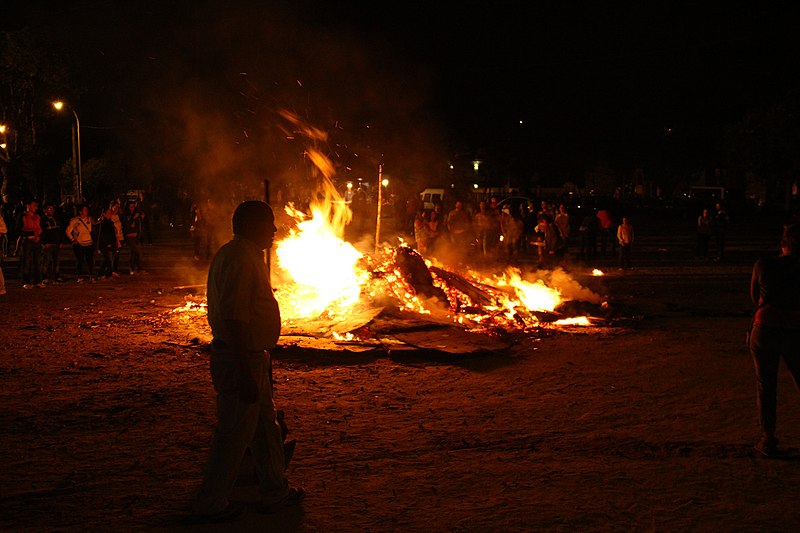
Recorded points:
478,296
416,273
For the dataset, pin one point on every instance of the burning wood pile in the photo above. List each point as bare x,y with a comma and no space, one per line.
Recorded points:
329,290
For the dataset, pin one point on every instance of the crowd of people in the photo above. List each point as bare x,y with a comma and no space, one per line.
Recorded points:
712,227
508,230
38,236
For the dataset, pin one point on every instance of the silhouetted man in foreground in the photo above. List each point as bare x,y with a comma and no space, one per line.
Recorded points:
245,322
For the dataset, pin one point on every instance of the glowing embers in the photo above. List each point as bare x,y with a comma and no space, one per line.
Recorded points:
192,306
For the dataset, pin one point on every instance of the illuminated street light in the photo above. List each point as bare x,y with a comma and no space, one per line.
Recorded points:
76,151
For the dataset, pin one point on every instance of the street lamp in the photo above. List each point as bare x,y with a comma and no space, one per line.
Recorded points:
76,151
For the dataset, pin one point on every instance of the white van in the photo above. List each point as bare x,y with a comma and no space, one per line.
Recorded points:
430,197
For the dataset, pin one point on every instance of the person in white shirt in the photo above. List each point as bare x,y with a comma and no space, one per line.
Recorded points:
79,233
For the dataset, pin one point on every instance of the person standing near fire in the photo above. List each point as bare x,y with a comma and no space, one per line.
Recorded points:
132,228
3,232
245,323
30,230
52,237
120,235
775,333
625,240
79,233
605,225
107,243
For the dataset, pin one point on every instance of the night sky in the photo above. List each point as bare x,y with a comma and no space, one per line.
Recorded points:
413,84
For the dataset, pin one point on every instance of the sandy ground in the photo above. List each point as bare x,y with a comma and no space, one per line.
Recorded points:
647,425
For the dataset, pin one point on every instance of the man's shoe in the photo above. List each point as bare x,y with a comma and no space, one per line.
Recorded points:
232,512
767,446
295,496
115,274
27,286
41,285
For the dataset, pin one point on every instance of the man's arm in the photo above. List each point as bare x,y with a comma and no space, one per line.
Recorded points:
248,388
755,294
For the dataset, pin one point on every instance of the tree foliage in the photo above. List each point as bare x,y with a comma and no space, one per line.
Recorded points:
29,72
764,145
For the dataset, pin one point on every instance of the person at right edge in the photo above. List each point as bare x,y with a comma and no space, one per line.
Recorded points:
775,334
245,323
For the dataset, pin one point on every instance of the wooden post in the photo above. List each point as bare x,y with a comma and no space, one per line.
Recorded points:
380,205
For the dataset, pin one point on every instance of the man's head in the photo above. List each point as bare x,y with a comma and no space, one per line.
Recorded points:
255,221
33,205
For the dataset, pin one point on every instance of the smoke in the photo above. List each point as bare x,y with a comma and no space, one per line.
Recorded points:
569,288
237,96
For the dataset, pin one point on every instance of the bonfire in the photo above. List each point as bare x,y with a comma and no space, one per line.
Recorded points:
326,287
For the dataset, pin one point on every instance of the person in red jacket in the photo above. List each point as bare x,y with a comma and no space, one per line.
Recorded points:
607,232
31,230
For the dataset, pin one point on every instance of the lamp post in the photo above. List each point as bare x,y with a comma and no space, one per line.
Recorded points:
76,151
381,184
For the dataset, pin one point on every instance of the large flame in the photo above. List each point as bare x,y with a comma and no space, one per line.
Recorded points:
535,296
317,267
321,267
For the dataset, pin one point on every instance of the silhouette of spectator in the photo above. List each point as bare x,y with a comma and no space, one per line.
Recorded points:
107,243
459,224
79,233
30,231
487,229
775,333
705,225
563,223
132,221
511,229
52,237
721,221
119,234
551,247
547,212
201,233
245,323
625,239
606,229
3,233
422,232
436,227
